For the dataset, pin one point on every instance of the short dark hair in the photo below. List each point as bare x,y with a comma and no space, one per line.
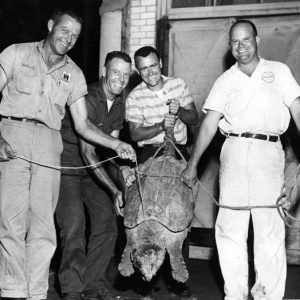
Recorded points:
72,12
116,54
243,21
145,51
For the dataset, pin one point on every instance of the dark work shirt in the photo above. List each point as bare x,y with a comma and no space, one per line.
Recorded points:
98,114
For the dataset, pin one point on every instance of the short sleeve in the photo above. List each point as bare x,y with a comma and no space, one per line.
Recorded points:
288,85
133,113
91,109
7,60
187,96
79,87
119,120
216,98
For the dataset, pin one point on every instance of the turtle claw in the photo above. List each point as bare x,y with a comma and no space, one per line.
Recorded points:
180,274
125,268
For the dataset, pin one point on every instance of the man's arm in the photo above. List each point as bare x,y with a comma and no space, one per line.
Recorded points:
187,114
206,133
295,112
90,158
6,152
127,172
94,135
139,133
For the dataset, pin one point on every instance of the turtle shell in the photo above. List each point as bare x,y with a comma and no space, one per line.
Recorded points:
161,196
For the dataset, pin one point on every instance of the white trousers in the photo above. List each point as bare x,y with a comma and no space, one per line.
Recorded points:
251,173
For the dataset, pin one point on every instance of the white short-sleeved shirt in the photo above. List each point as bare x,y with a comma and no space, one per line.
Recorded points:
149,107
258,104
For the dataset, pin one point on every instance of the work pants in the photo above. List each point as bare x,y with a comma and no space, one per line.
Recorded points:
81,269
251,173
28,196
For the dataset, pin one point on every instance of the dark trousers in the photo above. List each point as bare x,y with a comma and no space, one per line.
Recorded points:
84,268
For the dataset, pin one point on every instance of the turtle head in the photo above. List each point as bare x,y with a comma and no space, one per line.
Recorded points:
148,259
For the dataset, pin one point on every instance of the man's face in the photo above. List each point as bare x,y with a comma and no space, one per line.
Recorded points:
63,35
117,73
244,44
149,69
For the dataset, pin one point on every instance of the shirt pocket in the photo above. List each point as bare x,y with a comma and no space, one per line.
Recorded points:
26,81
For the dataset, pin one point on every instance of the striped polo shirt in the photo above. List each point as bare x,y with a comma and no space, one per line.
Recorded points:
150,107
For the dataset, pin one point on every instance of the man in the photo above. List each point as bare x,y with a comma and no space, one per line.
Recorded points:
251,103
37,80
156,104
80,272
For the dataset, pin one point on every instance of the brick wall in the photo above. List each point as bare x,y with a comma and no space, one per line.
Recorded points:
141,24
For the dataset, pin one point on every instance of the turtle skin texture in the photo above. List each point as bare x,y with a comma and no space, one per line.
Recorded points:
157,216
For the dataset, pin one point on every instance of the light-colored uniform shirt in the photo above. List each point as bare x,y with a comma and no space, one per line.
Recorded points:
256,104
33,91
149,107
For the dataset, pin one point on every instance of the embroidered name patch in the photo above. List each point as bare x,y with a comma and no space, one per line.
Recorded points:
268,77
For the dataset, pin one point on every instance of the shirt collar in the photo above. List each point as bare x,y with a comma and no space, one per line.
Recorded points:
164,79
102,94
235,67
40,45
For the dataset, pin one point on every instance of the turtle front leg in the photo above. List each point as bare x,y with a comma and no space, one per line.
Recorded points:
125,266
174,248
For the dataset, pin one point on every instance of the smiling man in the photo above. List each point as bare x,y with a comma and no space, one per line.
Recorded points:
251,103
37,80
83,274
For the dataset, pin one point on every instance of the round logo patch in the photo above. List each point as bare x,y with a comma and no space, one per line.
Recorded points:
268,77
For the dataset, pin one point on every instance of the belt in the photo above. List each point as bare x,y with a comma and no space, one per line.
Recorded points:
265,137
23,120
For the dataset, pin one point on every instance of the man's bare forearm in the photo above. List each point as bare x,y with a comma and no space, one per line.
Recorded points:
146,133
91,158
94,135
206,133
188,116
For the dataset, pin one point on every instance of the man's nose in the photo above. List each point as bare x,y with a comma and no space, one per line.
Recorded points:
121,77
69,38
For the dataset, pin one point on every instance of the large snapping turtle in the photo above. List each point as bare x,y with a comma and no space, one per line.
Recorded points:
157,215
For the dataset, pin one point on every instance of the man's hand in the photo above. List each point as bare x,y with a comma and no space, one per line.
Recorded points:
169,121
6,152
174,106
128,176
118,203
125,151
189,176
284,202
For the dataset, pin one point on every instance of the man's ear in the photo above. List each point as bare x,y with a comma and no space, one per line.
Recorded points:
50,25
137,71
160,63
103,71
257,38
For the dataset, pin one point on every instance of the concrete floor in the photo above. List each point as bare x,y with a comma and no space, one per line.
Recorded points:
205,282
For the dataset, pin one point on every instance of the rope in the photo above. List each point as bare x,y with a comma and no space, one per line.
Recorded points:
282,213
64,167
